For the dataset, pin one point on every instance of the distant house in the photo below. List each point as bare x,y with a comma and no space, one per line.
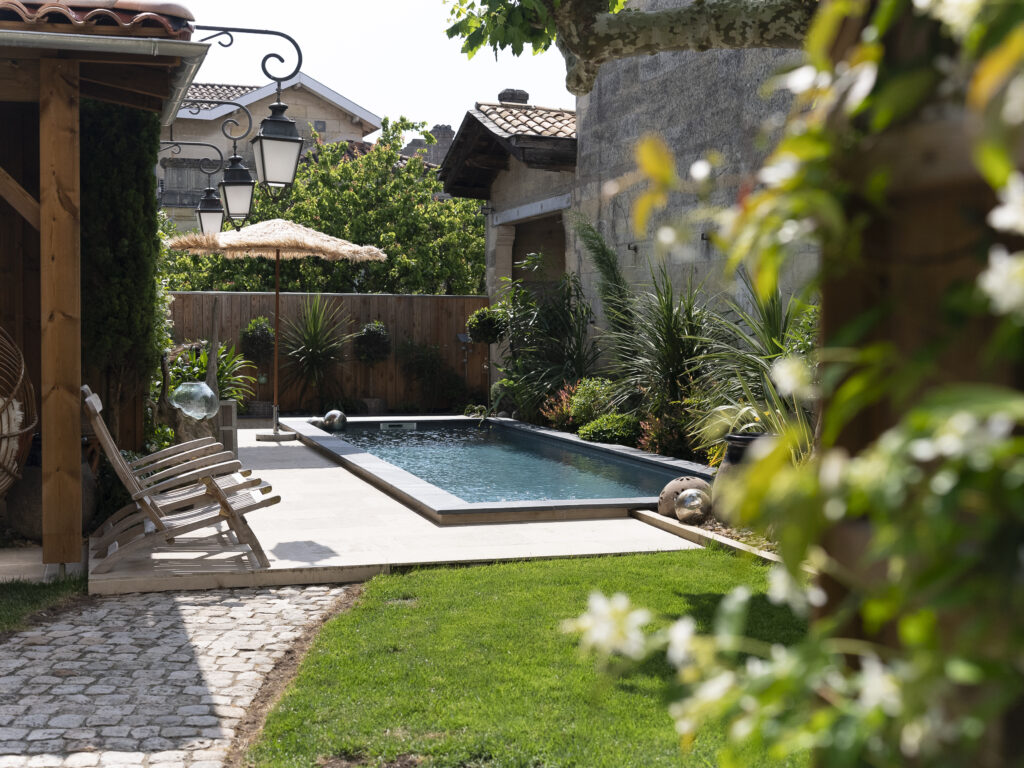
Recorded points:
313,106
521,159
432,153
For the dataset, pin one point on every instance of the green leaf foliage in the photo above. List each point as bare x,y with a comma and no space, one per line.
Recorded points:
373,343
122,318
257,340
233,380
617,428
434,244
314,345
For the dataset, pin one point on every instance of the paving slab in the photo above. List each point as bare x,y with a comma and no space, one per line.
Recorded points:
146,679
333,527
26,564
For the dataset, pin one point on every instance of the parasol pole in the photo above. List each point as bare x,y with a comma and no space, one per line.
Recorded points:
277,330
277,435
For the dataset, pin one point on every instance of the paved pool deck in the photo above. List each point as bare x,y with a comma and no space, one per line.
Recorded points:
331,527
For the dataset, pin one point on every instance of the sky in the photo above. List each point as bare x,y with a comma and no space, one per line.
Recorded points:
391,57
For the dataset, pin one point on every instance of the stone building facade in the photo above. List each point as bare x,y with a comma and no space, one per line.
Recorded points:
432,153
313,106
699,103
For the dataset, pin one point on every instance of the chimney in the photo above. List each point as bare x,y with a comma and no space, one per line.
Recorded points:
514,96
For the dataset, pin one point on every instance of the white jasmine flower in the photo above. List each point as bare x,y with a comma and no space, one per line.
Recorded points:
611,626
864,76
922,735
666,235
878,687
779,172
791,230
831,469
923,450
783,589
1003,281
801,79
1013,101
957,15
1009,217
1000,425
680,640
792,376
700,170
679,711
726,221
715,688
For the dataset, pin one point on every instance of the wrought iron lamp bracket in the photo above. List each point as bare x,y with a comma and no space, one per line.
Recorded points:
228,35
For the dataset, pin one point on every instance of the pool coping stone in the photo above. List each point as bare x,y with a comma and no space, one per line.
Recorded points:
445,508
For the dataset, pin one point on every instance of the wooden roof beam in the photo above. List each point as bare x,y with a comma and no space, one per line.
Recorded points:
148,81
95,57
19,199
19,80
122,97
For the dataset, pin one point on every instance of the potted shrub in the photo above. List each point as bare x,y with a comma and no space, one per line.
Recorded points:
373,343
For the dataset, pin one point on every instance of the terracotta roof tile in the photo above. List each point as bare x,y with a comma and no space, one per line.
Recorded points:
526,120
165,19
217,91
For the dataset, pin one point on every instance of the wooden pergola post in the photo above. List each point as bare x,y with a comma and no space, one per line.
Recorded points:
60,308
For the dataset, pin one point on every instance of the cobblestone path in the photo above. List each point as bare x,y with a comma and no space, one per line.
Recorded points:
146,680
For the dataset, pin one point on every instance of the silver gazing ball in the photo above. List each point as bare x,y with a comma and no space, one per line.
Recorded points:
692,499
195,399
334,421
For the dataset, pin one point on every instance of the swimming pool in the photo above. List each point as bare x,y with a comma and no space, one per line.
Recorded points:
462,470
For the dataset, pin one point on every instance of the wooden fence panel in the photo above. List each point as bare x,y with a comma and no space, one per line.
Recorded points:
434,320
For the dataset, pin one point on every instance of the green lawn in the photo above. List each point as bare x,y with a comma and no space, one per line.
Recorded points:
20,599
467,667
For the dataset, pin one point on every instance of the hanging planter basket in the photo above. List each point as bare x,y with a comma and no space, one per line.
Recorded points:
18,417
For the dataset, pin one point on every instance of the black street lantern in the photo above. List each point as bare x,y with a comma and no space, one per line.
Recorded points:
236,190
277,147
210,213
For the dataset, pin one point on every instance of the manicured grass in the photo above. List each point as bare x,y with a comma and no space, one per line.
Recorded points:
467,667
20,599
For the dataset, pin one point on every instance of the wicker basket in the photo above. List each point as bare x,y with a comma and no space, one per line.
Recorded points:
17,413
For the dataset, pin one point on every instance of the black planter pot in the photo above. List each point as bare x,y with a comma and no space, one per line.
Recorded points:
736,449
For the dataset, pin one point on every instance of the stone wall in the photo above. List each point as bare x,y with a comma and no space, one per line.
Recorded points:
518,187
698,102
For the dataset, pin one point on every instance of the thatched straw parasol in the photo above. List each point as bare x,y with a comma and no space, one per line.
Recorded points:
282,240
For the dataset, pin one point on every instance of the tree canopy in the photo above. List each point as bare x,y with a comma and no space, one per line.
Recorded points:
591,32
434,244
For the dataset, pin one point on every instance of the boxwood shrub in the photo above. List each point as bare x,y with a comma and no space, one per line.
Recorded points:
617,428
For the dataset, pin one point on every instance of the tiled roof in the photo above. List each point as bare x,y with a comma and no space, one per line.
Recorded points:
217,91
526,120
165,19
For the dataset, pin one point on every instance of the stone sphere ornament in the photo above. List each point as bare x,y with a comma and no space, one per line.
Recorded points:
335,421
667,499
196,400
692,506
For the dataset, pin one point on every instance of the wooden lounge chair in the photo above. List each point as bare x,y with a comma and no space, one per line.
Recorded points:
173,480
160,529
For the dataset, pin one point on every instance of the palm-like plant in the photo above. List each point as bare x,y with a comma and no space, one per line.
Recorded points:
549,341
736,391
314,347
615,291
657,359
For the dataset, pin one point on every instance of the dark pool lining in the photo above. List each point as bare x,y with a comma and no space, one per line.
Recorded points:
447,509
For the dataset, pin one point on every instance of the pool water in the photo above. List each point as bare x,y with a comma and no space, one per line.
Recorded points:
488,463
